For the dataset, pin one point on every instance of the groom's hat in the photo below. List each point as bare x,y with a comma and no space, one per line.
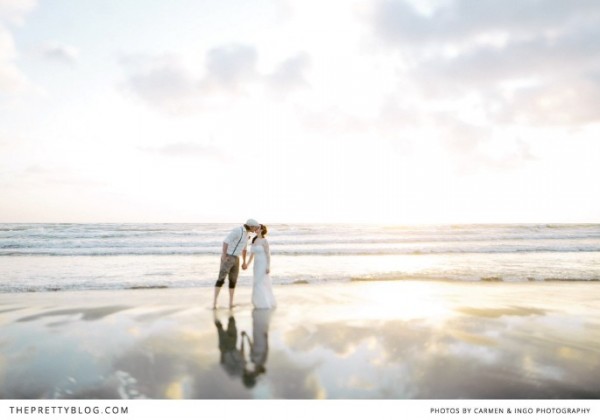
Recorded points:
252,223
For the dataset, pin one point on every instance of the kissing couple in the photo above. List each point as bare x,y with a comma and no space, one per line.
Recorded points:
234,245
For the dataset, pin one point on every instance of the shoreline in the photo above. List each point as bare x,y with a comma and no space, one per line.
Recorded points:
301,282
355,340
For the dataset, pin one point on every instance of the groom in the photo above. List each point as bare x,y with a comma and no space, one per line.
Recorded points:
234,245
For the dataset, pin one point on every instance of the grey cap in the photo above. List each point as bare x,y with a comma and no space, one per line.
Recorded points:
252,223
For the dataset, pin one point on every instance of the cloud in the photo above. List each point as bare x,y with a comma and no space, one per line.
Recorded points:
398,21
531,62
566,102
164,82
12,12
290,73
572,54
59,52
230,66
11,78
161,81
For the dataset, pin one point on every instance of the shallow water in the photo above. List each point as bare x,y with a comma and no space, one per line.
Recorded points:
396,340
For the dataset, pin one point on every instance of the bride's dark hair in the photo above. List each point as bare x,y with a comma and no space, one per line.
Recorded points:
263,231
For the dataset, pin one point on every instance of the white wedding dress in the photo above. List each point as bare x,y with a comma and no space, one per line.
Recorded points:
262,291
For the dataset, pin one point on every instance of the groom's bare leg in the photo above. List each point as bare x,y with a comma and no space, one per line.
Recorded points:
224,270
233,276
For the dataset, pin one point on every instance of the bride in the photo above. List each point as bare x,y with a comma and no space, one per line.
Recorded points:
262,291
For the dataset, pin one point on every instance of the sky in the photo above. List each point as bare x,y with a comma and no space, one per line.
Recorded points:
384,111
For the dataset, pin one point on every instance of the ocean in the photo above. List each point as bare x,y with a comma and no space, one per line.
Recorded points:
52,257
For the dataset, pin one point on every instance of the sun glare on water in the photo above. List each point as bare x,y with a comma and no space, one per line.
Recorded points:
414,300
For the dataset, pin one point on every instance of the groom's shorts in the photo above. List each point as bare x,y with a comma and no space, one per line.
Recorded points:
230,266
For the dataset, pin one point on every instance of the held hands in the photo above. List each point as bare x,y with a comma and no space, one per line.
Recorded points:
245,267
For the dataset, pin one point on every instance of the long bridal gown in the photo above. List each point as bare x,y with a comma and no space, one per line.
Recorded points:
262,291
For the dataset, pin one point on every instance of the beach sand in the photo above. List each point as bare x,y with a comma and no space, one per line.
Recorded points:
358,340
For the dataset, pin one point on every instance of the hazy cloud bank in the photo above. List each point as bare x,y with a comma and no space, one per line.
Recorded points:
533,61
166,83
12,12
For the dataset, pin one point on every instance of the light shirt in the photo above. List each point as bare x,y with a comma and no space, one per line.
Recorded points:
237,240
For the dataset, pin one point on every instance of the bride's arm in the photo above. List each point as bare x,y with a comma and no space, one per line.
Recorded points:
268,252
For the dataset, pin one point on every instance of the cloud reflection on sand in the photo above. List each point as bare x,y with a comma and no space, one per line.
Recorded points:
317,344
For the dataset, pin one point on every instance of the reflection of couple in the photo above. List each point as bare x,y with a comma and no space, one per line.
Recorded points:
235,245
233,359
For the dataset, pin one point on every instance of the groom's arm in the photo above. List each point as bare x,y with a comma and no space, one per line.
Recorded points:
244,265
224,254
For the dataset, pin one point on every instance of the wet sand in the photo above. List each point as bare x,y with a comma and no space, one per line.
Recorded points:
359,340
